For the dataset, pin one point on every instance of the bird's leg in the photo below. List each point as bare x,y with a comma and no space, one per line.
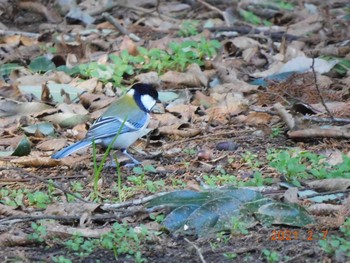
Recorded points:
135,162
111,162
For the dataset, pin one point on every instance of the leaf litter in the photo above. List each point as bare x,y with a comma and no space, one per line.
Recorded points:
237,94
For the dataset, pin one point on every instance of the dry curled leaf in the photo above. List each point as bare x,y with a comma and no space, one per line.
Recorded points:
182,130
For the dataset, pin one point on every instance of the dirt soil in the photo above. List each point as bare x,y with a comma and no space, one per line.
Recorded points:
181,165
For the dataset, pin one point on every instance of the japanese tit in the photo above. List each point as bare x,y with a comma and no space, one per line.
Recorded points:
128,116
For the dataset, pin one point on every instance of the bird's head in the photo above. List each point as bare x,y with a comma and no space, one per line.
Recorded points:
145,95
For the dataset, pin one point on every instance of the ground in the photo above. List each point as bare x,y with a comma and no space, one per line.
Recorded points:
174,162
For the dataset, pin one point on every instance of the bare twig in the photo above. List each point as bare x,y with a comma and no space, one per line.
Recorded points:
19,219
122,29
285,115
118,4
326,193
318,132
132,202
211,7
197,249
331,120
215,9
11,33
308,252
318,88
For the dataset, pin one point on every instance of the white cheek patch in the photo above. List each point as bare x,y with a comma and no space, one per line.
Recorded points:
148,101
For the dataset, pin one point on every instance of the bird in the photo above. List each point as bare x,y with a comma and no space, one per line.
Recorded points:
128,117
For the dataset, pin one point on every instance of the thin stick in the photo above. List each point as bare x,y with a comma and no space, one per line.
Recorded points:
122,29
331,120
211,7
326,193
18,219
197,249
285,115
132,202
26,34
318,89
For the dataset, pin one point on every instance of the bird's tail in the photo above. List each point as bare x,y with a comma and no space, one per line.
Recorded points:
71,149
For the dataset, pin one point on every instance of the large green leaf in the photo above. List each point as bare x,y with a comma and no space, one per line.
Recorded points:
41,64
178,217
6,69
204,219
55,90
45,128
205,213
23,148
283,214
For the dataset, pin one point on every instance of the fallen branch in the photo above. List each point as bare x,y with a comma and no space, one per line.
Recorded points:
122,29
197,249
109,207
103,217
318,132
329,120
285,115
318,89
12,33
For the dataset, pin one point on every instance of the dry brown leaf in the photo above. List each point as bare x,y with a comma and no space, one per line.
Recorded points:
11,108
70,209
334,156
149,77
245,42
198,73
71,60
309,25
201,99
105,25
273,69
80,131
182,130
183,112
88,85
11,41
72,108
12,92
166,119
6,211
52,145
129,45
226,74
45,93
323,209
56,230
32,80
255,118
337,108
7,141
235,86
228,106
27,41
50,15
14,237
193,77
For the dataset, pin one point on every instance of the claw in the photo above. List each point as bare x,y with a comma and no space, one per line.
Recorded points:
136,162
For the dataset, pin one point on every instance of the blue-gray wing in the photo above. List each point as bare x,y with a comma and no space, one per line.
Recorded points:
110,126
